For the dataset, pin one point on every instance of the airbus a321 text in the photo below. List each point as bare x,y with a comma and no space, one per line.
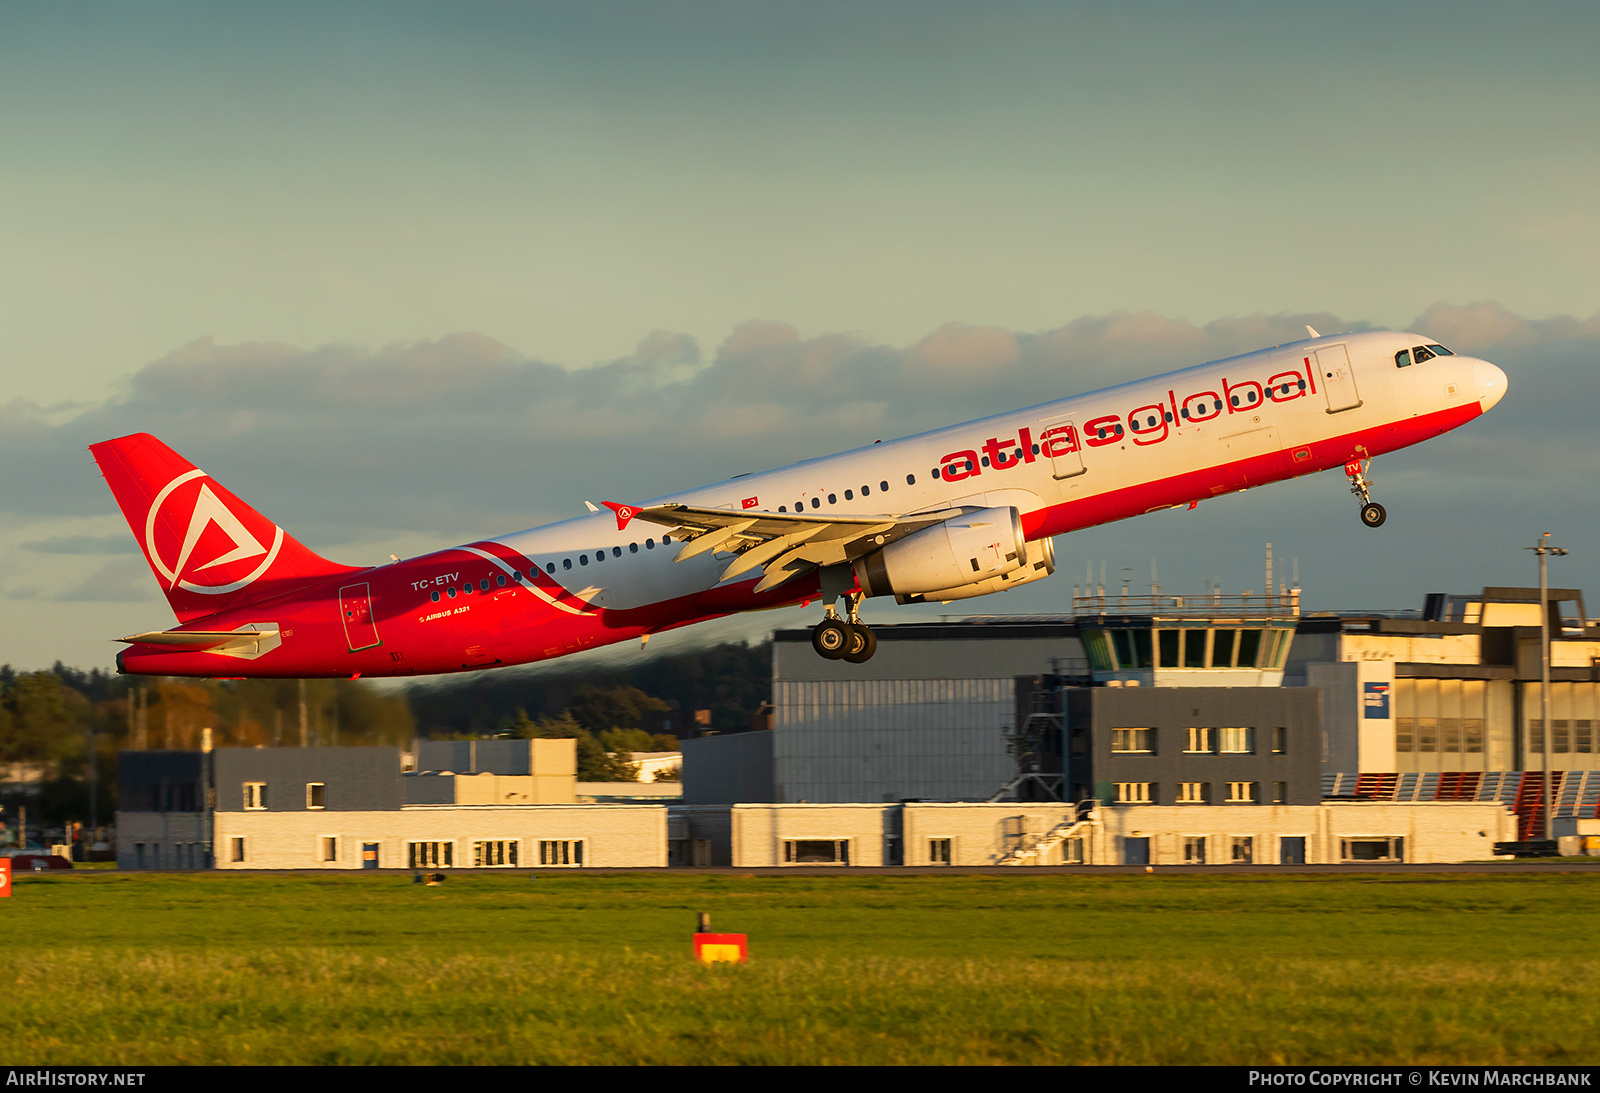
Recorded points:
945,515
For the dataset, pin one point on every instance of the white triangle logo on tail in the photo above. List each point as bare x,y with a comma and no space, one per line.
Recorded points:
208,510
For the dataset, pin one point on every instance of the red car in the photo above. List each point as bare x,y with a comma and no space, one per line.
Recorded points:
37,863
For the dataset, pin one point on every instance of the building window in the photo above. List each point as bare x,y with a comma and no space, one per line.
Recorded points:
1241,793
430,855
330,848
1280,741
562,852
1133,741
1135,793
1370,850
236,853
255,796
1192,793
1280,793
1072,852
1244,850
816,851
314,794
1194,850
1199,742
938,851
497,853
1237,741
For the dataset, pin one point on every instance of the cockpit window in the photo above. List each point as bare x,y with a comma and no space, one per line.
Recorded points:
1402,359
1422,353
1441,351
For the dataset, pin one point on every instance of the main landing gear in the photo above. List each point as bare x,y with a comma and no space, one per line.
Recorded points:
848,639
1372,513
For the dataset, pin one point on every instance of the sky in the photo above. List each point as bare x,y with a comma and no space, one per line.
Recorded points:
403,275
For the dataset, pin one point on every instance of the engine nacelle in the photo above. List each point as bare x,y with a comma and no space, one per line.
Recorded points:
978,546
1043,553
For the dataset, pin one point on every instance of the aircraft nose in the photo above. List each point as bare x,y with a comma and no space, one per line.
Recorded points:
1490,382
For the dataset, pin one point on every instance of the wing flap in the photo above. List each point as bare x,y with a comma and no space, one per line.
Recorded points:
784,545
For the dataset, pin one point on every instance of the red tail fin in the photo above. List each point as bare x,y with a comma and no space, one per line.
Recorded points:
209,550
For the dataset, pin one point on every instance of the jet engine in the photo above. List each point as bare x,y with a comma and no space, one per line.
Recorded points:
1043,563
978,548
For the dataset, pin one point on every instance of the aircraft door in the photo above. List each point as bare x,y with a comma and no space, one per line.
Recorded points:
1337,379
355,607
1060,441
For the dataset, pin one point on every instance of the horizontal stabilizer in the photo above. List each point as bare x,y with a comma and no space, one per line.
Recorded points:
197,639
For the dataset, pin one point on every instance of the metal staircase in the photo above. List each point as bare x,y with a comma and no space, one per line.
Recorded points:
1075,826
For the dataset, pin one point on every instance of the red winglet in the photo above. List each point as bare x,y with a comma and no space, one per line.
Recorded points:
624,513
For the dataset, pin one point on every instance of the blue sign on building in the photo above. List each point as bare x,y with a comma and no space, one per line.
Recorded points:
1375,700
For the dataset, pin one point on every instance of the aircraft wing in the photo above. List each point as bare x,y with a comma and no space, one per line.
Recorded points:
783,545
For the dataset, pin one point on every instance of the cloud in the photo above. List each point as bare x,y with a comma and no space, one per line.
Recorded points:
463,436
120,581
83,544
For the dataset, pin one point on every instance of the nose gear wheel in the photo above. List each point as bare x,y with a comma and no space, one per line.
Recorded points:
1372,513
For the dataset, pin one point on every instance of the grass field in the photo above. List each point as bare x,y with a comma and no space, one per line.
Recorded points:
144,968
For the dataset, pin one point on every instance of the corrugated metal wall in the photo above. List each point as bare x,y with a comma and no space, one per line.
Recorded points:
886,740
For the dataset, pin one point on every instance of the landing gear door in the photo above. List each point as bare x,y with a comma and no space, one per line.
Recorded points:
355,607
1337,379
1061,443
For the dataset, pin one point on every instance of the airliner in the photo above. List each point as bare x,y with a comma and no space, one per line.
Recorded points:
945,515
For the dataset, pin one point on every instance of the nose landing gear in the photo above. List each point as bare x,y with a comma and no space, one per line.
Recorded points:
1372,513
847,639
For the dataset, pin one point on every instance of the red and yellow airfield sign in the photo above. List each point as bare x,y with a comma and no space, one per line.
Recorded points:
714,948
5,876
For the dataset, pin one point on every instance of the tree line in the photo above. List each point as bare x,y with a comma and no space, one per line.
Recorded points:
52,722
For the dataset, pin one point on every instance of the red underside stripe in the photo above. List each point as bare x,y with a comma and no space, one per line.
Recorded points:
1241,474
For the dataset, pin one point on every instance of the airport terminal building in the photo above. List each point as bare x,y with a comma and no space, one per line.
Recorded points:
1221,730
